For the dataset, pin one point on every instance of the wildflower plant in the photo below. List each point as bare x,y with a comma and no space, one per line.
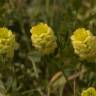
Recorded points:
84,44
35,70
7,43
43,38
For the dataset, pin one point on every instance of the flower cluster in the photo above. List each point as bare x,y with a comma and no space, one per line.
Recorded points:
89,92
84,44
43,38
7,43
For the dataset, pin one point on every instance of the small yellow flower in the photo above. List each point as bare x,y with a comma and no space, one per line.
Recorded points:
43,38
89,92
81,34
7,42
84,44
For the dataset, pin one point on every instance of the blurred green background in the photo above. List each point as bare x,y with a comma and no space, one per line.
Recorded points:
59,74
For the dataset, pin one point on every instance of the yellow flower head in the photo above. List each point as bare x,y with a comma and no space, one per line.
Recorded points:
89,92
43,38
7,42
84,44
81,34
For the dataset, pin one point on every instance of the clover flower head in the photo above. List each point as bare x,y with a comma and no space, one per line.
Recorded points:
89,92
81,34
43,38
7,42
84,44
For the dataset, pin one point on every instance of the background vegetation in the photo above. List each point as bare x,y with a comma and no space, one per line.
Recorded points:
59,74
